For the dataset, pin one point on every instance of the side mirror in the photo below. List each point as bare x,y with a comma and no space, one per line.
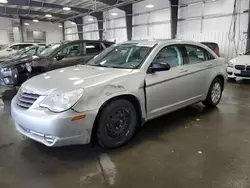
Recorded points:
241,53
157,67
59,57
9,49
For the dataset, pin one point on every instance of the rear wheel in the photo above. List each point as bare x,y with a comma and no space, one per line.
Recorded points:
116,123
214,94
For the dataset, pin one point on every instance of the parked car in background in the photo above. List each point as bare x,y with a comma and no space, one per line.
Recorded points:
15,72
27,51
15,47
3,46
213,46
121,88
239,67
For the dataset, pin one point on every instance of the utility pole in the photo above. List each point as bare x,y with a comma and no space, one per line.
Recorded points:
174,5
248,30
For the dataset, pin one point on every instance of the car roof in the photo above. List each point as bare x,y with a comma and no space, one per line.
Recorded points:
64,42
26,43
152,42
209,43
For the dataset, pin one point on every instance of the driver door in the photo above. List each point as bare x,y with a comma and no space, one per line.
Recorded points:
71,54
165,90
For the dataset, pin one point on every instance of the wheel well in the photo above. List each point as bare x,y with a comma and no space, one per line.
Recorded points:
128,97
221,79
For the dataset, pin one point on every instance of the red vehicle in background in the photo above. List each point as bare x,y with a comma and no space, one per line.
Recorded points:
214,46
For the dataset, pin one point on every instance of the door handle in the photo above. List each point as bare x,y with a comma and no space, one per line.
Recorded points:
209,65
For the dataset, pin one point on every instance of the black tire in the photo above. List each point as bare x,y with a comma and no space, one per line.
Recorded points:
116,123
209,102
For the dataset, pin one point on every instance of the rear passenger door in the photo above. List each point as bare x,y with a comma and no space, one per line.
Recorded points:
198,66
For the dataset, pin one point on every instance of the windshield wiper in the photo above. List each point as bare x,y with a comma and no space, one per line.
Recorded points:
111,66
97,65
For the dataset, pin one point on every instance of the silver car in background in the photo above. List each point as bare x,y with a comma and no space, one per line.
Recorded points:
116,91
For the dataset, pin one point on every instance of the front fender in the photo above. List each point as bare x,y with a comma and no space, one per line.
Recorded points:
95,98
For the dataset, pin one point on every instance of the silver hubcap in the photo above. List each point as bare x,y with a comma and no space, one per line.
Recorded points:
216,92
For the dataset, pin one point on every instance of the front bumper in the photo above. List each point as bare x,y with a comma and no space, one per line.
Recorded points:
234,73
53,129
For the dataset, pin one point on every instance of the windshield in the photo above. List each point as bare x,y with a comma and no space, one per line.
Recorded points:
21,52
126,56
48,51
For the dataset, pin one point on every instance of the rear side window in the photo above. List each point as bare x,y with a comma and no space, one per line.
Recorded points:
21,46
195,54
93,48
15,47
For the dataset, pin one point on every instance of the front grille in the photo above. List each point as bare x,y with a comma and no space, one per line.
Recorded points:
25,99
240,67
245,74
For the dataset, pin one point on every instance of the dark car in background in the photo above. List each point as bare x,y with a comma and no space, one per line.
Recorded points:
15,72
213,46
27,51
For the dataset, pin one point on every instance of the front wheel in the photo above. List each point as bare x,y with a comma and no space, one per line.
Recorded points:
116,123
214,94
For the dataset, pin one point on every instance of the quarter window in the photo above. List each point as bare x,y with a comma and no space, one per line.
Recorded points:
171,55
195,54
210,56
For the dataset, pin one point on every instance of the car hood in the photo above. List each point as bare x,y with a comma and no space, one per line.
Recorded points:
241,60
71,78
15,61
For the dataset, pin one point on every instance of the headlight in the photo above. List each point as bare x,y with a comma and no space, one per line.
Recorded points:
62,102
28,67
230,64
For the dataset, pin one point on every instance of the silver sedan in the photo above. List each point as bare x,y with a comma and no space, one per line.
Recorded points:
116,91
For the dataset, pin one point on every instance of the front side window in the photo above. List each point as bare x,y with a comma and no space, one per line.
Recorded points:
195,54
49,50
126,56
30,52
71,50
169,55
